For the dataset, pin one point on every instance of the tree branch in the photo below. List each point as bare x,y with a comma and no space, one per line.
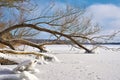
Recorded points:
45,30
7,44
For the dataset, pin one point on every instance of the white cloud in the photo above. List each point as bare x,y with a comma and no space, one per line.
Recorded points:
105,11
107,15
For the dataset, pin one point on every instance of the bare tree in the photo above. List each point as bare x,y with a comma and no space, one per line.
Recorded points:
69,23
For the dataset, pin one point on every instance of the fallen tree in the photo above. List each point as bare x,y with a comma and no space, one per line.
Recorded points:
68,23
44,57
45,30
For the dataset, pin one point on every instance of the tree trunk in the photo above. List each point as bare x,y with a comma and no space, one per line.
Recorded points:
7,44
45,30
29,43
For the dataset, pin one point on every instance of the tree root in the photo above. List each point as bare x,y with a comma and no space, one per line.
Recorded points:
46,57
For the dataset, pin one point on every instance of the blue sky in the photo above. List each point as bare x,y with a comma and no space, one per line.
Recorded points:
104,12
89,2
85,2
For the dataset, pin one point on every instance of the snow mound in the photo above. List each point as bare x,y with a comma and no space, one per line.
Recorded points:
49,57
28,65
27,76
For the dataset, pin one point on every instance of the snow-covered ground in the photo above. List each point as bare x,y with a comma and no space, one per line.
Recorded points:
74,65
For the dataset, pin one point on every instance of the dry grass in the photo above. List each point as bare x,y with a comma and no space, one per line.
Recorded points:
7,62
2,46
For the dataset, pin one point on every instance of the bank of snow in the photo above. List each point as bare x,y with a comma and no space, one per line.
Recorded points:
74,65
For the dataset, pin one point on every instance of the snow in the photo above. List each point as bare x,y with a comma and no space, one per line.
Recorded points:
73,65
27,65
27,76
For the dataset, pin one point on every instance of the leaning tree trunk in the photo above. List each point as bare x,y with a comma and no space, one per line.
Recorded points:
29,43
79,45
7,44
45,30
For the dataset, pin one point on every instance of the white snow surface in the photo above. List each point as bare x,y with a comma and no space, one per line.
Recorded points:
27,76
74,65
